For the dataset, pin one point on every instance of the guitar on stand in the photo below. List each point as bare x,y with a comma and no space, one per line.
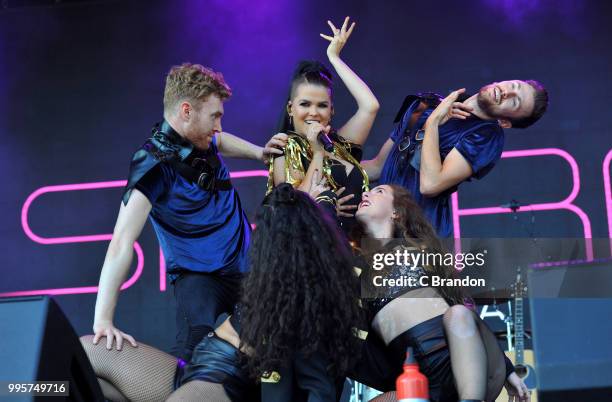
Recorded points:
523,359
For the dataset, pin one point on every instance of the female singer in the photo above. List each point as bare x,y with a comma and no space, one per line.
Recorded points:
308,112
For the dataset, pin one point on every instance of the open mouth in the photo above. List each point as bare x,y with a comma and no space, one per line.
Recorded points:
311,121
364,204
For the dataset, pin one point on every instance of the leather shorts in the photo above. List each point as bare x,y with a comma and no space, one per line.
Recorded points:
217,361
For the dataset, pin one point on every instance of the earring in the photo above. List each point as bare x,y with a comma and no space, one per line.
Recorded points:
290,120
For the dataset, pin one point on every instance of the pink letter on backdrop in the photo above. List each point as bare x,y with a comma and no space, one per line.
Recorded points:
72,239
608,193
92,238
564,204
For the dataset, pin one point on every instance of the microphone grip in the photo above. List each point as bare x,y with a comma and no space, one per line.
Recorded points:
327,143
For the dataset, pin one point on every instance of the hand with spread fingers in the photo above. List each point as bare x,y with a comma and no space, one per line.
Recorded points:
340,207
449,108
274,147
112,334
318,184
339,39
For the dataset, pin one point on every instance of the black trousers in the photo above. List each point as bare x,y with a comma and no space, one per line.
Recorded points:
200,299
374,368
306,379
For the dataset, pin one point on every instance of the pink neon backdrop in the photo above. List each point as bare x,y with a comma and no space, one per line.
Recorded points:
564,204
73,239
608,193
457,213
96,237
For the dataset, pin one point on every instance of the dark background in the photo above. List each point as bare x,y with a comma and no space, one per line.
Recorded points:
81,84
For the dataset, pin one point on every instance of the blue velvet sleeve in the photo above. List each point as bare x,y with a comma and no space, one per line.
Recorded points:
154,183
482,148
395,134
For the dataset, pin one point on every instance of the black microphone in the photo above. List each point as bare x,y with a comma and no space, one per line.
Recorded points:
324,139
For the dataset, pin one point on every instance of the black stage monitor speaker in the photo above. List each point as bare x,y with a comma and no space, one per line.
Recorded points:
37,343
572,332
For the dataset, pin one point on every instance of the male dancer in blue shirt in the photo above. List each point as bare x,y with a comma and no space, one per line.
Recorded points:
178,180
434,149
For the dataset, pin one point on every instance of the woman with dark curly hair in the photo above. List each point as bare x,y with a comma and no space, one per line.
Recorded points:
455,350
308,112
297,316
300,298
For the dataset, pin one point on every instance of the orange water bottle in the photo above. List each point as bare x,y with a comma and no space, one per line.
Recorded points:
411,385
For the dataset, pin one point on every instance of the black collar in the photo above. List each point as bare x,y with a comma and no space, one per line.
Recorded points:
168,141
169,132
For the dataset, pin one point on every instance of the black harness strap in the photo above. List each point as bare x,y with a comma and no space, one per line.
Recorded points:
196,166
202,173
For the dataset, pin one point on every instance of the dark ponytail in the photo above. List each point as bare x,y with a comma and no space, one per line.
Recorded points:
306,72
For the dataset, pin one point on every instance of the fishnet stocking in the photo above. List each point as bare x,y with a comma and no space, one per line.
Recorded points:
110,392
200,391
386,397
140,374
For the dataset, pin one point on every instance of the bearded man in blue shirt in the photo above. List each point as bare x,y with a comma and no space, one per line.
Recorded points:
440,143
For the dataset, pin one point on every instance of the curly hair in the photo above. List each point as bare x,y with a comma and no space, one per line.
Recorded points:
301,294
306,72
412,226
193,82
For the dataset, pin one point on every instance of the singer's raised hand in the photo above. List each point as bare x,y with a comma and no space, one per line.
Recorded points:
340,37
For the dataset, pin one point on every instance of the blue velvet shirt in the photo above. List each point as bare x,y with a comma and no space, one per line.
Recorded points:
197,230
480,142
